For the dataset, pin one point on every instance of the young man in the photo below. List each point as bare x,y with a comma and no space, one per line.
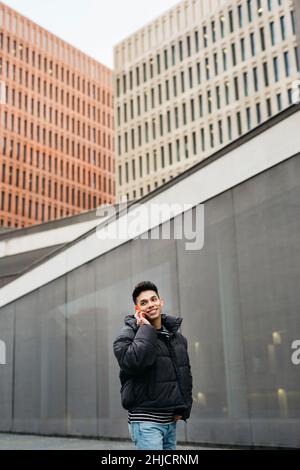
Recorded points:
155,375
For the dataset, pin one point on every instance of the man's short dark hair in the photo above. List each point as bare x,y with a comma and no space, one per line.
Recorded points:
141,287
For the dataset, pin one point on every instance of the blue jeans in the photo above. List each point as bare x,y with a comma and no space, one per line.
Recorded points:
153,436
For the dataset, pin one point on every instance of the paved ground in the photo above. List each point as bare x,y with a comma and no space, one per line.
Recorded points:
28,442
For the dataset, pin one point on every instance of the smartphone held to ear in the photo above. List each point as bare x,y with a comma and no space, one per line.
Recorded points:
139,311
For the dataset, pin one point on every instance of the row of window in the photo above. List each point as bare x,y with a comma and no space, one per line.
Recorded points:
187,14
45,186
162,93
37,210
207,103
154,185
61,97
27,154
169,57
194,143
30,57
51,139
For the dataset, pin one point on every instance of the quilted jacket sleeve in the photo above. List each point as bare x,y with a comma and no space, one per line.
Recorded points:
189,384
136,352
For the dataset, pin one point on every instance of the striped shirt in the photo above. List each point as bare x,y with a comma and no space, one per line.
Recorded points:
161,417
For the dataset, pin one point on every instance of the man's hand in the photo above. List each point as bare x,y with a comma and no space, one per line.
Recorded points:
140,320
177,418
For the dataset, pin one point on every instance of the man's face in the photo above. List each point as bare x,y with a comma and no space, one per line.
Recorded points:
150,304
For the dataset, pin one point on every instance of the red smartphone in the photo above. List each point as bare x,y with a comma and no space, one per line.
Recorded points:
138,310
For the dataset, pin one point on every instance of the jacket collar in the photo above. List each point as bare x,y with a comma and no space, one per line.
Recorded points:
171,323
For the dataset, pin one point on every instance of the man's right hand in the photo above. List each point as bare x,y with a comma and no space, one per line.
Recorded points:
140,320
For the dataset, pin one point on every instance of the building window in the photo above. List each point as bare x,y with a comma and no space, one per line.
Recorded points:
286,63
252,42
222,28
196,41
207,68
167,90
170,154
229,127
269,107
192,110
178,149
180,50
176,117
216,63
202,139
205,36
239,123
224,51
255,78
186,147
297,59
236,88
191,77
245,78
213,31
184,114
279,101
293,21
272,33
266,74
233,54
248,113
209,101
240,15
259,8
243,51
231,27
188,45
162,154
220,132
173,52
200,106
175,85
258,113
227,97
282,27
276,69
249,9
166,58
218,96
211,135
158,63
169,121
198,73
182,82
262,39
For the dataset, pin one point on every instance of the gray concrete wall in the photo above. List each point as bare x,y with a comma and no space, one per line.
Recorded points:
239,298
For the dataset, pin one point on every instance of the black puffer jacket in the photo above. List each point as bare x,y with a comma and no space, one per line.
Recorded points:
155,368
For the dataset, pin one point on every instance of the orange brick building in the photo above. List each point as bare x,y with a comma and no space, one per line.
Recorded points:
56,126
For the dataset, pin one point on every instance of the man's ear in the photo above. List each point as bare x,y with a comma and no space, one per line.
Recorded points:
162,302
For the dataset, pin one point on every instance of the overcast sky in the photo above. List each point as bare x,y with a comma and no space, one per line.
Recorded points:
93,26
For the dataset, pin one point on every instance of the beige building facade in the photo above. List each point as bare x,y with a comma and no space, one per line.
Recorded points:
196,78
